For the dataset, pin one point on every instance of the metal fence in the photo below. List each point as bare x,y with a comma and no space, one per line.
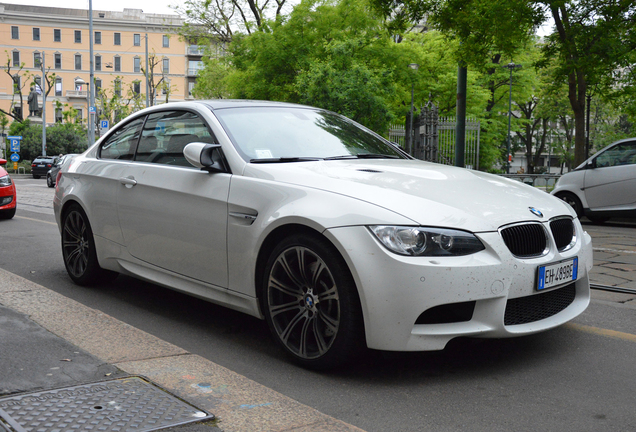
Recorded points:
438,133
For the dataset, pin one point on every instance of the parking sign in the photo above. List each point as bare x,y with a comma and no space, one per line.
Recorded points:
103,124
15,145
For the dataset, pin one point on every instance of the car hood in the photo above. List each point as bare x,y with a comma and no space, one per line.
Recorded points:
425,192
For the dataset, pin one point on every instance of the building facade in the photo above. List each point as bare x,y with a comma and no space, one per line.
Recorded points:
59,37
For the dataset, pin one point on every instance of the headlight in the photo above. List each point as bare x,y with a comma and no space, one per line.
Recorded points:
5,181
424,241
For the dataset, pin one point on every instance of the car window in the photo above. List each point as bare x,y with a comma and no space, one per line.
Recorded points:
166,133
121,144
620,154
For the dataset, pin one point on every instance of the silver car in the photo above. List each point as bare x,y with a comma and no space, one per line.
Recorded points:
604,186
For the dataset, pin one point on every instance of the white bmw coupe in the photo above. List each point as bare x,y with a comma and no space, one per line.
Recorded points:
333,235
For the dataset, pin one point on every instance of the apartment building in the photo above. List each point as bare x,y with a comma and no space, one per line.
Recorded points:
60,38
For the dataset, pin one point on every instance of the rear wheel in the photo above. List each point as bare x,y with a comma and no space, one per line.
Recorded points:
311,303
574,202
78,249
49,181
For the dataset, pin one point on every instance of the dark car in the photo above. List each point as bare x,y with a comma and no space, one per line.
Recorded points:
41,165
51,175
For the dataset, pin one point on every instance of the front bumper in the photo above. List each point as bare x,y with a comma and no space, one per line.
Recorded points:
396,290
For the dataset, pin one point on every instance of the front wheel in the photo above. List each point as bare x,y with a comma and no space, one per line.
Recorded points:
78,249
573,201
311,303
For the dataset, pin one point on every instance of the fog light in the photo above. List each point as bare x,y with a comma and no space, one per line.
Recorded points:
6,200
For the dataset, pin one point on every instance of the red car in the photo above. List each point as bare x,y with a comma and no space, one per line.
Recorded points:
7,193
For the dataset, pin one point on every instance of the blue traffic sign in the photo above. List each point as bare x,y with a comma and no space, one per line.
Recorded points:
18,137
15,157
92,109
103,124
15,145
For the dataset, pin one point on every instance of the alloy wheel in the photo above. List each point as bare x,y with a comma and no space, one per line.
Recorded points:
76,243
303,302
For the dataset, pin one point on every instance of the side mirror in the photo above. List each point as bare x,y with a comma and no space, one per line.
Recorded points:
3,162
591,164
204,156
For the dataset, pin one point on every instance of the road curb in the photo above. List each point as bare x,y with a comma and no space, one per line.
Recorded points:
239,403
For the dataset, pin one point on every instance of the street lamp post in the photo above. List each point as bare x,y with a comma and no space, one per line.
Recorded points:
409,142
511,66
81,82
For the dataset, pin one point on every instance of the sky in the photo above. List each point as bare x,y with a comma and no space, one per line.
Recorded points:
148,6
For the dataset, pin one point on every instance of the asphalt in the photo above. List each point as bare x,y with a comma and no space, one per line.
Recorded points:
48,341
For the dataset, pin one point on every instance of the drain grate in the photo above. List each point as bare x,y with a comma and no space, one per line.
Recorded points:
124,404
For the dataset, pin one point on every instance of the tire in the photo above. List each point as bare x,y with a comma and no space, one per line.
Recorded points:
598,219
311,303
78,249
49,181
36,176
574,202
7,214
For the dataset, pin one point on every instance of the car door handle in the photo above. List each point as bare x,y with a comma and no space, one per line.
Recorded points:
128,181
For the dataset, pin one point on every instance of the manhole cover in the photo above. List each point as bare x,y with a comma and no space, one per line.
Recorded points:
125,404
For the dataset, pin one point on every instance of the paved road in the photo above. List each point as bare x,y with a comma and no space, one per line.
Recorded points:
576,378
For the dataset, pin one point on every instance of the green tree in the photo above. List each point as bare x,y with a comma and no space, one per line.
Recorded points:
590,41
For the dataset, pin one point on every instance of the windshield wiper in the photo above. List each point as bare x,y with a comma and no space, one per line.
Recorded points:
285,160
364,156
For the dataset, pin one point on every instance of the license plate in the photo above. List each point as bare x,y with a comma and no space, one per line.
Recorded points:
557,273
40,166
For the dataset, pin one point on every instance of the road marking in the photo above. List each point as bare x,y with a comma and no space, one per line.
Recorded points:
36,220
602,332
613,250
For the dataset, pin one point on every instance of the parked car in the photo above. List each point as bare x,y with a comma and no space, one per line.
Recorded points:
51,175
8,196
604,186
41,165
308,220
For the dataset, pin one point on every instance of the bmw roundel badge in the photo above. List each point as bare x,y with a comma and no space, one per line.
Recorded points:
535,212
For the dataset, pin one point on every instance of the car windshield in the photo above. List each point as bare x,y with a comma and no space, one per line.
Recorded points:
287,134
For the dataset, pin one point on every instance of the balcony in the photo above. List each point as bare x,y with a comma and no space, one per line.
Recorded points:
196,50
192,72
83,94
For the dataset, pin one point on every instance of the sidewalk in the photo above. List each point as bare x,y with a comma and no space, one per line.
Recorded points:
50,341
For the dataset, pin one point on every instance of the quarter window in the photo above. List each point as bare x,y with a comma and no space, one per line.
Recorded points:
121,144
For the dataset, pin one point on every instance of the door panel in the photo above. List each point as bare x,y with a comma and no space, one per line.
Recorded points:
176,218
612,183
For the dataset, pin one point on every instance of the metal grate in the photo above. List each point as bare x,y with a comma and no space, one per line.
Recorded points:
536,307
525,241
563,232
118,405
